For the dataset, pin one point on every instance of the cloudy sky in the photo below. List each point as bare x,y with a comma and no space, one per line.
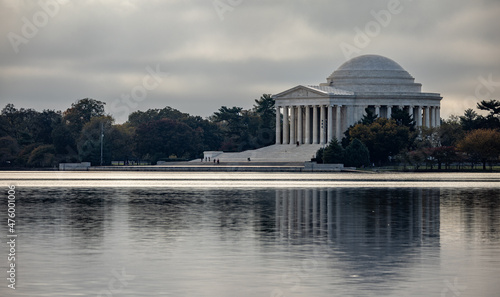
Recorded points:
197,55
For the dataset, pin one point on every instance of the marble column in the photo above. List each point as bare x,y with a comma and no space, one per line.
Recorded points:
278,125
349,115
389,111
432,116
293,139
330,123
419,116
438,116
286,130
426,117
315,124
299,122
377,110
338,122
308,124
323,124
410,111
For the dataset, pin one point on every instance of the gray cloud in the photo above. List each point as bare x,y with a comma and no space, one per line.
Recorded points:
101,49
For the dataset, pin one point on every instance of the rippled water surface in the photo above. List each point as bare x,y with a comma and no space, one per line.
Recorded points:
253,234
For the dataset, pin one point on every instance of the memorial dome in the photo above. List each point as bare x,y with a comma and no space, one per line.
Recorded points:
373,73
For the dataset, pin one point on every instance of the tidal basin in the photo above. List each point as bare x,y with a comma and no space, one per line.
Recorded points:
253,234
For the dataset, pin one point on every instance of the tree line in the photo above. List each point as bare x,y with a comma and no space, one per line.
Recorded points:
29,138
470,138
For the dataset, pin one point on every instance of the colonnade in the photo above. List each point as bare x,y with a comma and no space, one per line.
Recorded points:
318,124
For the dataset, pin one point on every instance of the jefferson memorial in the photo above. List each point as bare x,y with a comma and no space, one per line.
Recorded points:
308,117
309,114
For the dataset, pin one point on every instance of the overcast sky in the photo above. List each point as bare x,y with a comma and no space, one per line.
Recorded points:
197,55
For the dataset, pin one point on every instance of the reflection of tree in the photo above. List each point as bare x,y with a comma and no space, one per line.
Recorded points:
159,213
76,213
475,211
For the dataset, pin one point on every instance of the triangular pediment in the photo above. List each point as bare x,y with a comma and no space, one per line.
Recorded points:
301,92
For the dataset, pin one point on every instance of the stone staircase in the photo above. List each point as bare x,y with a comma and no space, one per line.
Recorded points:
277,153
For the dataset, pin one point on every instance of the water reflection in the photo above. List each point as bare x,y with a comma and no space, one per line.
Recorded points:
253,242
371,235
379,216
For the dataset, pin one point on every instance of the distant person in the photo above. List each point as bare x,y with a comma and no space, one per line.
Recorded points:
218,162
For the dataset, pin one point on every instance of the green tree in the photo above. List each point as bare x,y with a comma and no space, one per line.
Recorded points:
9,149
383,138
63,140
233,123
138,118
333,153
265,109
89,142
493,106
319,156
369,117
492,120
469,120
209,132
20,123
80,113
402,117
119,139
166,137
356,154
450,132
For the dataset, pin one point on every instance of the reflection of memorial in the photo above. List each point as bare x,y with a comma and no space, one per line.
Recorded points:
377,217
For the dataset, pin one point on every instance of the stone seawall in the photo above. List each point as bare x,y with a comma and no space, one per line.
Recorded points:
215,168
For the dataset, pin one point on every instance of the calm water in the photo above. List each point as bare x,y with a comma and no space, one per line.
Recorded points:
248,234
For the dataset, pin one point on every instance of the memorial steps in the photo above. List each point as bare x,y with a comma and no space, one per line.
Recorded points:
271,154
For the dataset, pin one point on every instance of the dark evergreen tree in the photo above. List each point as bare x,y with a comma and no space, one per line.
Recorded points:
356,154
333,153
469,120
369,117
403,118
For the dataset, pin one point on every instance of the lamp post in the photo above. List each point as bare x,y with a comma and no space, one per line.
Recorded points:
102,139
324,124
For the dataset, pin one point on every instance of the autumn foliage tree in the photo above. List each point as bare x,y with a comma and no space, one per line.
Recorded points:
482,145
383,138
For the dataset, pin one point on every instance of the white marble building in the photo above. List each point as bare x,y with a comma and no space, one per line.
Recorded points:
316,114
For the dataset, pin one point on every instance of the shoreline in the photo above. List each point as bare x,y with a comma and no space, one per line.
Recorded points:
243,168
